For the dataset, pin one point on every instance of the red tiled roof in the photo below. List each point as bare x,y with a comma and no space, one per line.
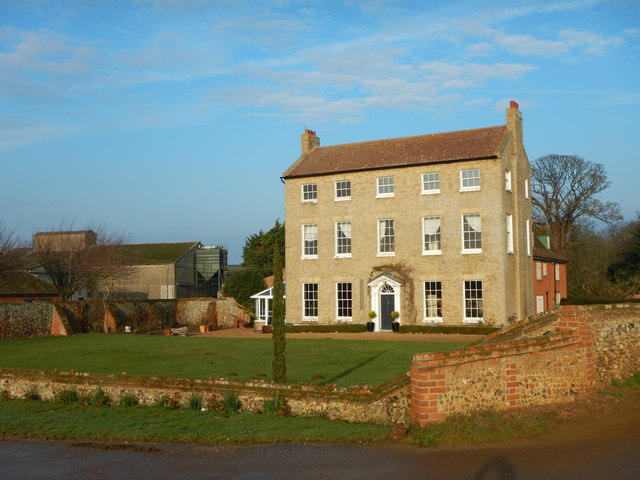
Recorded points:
400,152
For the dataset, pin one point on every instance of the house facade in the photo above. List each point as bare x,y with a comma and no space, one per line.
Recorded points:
549,272
436,228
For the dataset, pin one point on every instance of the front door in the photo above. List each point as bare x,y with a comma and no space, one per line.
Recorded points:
387,305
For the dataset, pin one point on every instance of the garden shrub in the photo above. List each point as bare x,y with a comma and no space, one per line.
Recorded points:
346,328
231,403
129,400
195,402
67,396
100,398
32,393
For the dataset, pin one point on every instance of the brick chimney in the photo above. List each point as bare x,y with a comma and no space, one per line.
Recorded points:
514,124
308,140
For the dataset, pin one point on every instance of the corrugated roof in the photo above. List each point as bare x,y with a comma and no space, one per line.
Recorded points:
155,253
400,152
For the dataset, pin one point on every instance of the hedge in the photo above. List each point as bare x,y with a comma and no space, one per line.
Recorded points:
465,330
597,301
349,328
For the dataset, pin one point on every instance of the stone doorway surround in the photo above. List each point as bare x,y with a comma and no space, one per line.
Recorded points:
380,285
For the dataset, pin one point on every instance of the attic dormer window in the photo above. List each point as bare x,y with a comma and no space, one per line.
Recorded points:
385,187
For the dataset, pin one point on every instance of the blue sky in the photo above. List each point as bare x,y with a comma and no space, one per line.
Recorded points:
172,120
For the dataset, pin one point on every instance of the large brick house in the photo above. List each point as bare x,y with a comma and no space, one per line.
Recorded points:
434,227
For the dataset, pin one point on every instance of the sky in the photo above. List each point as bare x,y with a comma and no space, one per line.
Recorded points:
173,120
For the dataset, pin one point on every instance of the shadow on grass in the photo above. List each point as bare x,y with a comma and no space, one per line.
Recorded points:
346,372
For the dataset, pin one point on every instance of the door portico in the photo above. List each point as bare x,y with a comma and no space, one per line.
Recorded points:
386,291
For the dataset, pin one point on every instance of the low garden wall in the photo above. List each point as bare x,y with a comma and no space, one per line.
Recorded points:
551,358
25,320
382,405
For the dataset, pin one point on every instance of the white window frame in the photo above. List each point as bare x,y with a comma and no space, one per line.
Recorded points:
310,302
544,269
507,180
303,193
383,223
465,299
538,270
343,304
382,184
526,188
528,234
467,216
558,298
428,302
434,180
467,176
340,186
308,229
338,230
438,235
557,271
509,233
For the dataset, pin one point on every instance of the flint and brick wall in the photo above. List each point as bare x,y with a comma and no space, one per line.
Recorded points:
561,355
382,405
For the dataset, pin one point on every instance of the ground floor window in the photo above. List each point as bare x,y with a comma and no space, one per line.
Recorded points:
310,301
433,301
344,301
473,301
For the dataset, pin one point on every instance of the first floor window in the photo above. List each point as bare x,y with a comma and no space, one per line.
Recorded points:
309,192
473,301
385,187
507,180
538,270
528,233
433,301
557,271
430,183
544,269
470,179
343,190
344,300
431,236
471,233
386,237
310,301
310,241
343,239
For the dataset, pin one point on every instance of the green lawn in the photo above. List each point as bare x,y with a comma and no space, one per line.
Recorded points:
317,361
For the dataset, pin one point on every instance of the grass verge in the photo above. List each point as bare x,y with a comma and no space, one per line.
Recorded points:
55,421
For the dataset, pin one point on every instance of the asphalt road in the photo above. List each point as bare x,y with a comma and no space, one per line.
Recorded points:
597,460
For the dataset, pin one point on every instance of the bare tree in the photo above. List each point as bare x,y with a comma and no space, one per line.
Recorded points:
563,193
88,260
11,259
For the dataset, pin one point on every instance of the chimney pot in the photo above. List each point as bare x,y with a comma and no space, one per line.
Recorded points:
513,104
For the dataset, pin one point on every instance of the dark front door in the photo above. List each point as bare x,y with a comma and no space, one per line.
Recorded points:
387,305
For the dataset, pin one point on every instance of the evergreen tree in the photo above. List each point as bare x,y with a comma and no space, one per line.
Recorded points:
259,249
279,368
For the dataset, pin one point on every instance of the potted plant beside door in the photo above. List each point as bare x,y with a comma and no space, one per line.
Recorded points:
370,324
395,325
